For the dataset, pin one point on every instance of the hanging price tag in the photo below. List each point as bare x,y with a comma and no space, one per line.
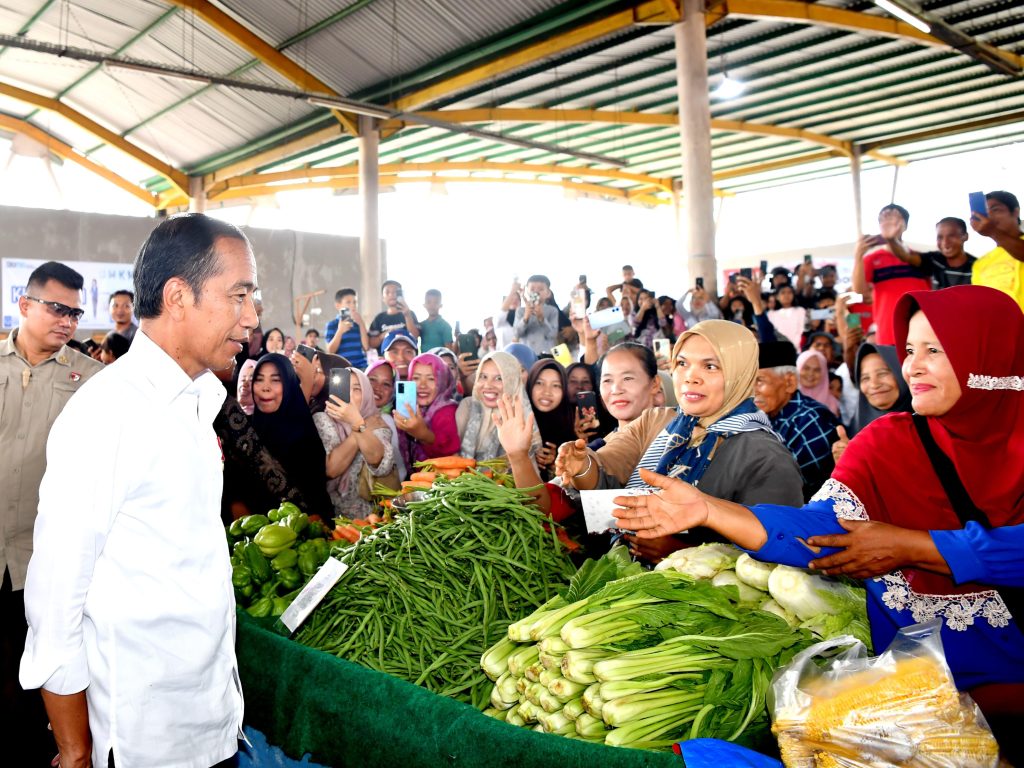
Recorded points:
311,594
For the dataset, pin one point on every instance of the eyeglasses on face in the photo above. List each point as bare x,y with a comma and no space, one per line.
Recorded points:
60,310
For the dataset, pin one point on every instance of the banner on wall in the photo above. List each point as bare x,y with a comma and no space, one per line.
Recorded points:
102,278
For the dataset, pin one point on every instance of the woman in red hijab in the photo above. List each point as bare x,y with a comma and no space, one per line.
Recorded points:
885,515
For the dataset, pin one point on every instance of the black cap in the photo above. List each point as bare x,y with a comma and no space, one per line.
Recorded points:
771,354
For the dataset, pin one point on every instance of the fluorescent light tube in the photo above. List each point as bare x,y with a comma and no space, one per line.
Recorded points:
903,15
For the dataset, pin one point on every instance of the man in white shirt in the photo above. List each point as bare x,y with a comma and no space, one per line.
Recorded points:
129,600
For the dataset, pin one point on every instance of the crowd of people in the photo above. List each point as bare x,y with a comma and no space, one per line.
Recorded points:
784,404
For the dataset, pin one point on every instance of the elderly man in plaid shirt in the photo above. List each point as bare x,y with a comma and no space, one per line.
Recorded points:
806,426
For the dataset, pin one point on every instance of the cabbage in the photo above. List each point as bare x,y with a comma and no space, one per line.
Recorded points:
747,593
753,572
703,562
770,606
828,607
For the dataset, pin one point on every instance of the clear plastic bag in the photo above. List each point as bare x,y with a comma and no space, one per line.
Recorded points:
900,709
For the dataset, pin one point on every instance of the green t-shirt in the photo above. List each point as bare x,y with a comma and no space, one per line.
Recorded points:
434,333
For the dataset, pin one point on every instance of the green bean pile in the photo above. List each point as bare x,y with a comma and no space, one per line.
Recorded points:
426,595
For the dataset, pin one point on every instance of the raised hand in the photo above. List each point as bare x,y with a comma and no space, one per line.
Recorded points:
840,445
515,428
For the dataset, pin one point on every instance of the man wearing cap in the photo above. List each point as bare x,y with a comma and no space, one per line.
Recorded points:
38,375
399,348
806,426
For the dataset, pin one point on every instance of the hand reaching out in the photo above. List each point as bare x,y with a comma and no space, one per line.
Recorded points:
675,506
571,461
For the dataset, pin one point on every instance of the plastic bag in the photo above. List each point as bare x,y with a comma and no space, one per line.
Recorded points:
899,709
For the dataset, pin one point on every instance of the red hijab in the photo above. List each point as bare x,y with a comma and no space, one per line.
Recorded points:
983,433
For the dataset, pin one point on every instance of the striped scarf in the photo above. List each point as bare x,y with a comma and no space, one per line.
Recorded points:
671,454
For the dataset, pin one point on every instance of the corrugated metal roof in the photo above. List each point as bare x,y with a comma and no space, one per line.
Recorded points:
847,86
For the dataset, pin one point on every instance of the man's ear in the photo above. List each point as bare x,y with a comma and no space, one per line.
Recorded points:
177,297
791,383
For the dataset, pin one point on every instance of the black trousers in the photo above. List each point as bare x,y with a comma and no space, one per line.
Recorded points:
22,711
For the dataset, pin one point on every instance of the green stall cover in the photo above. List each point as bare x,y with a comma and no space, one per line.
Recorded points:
307,701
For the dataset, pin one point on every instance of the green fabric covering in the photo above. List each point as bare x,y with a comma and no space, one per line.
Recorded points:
307,701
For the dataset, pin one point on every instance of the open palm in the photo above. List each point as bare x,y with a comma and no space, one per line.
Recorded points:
674,507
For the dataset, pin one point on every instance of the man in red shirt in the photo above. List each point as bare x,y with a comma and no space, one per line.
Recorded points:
884,268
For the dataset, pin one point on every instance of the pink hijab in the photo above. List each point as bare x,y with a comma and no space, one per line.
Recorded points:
821,392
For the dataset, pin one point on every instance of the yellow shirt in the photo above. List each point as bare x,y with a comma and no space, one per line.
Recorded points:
998,269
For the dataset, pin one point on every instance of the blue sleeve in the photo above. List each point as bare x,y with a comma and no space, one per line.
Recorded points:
765,329
786,526
985,555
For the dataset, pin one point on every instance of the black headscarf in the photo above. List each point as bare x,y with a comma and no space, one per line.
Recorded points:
557,426
328,362
291,437
866,412
606,422
266,334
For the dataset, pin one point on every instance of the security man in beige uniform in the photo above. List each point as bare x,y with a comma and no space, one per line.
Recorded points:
38,374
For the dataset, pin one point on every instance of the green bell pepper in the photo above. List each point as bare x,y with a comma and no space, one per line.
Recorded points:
252,523
261,607
280,605
257,562
286,559
274,539
240,576
290,578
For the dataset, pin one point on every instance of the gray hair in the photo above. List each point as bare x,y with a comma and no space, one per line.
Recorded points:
782,370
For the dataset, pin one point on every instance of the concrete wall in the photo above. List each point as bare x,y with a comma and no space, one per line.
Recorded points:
288,263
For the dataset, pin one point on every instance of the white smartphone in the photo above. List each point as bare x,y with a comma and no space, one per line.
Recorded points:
662,348
605,317
405,398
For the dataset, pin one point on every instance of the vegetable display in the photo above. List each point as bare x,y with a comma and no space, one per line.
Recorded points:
826,606
425,595
646,659
272,556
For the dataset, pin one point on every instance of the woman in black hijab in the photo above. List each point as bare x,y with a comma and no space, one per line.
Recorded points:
548,389
283,422
879,376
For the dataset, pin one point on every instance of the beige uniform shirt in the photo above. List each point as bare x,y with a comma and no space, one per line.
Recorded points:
30,400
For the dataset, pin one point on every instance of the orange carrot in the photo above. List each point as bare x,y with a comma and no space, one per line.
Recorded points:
452,473
360,523
452,462
423,477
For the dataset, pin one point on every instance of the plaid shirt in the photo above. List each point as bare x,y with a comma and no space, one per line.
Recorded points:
808,429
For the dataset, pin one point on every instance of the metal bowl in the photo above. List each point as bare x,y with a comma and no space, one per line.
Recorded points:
399,502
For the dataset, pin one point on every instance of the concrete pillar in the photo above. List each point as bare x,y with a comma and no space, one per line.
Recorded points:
370,262
695,138
196,195
855,181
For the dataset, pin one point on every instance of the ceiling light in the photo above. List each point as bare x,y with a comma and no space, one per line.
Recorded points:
729,88
903,14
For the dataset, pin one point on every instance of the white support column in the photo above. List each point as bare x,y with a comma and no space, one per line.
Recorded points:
855,181
695,139
370,262
196,195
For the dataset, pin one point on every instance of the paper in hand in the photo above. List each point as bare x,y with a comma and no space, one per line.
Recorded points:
598,506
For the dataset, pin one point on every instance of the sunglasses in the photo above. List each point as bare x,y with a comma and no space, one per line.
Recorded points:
61,310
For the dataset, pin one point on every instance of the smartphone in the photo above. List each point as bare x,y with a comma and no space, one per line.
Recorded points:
467,344
807,258
340,384
562,355
732,279
532,297
700,283
853,320
824,314
345,313
978,204
747,272
764,268
605,317
306,351
583,279
662,348
585,400
405,398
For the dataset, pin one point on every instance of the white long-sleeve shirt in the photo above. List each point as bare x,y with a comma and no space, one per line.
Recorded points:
129,591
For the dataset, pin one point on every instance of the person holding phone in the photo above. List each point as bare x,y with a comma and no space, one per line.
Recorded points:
428,430
537,321
358,445
396,316
285,425
346,333
885,268
499,374
547,388
716,437
1001,268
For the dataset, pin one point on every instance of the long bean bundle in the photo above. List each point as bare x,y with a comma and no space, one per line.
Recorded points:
425,596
